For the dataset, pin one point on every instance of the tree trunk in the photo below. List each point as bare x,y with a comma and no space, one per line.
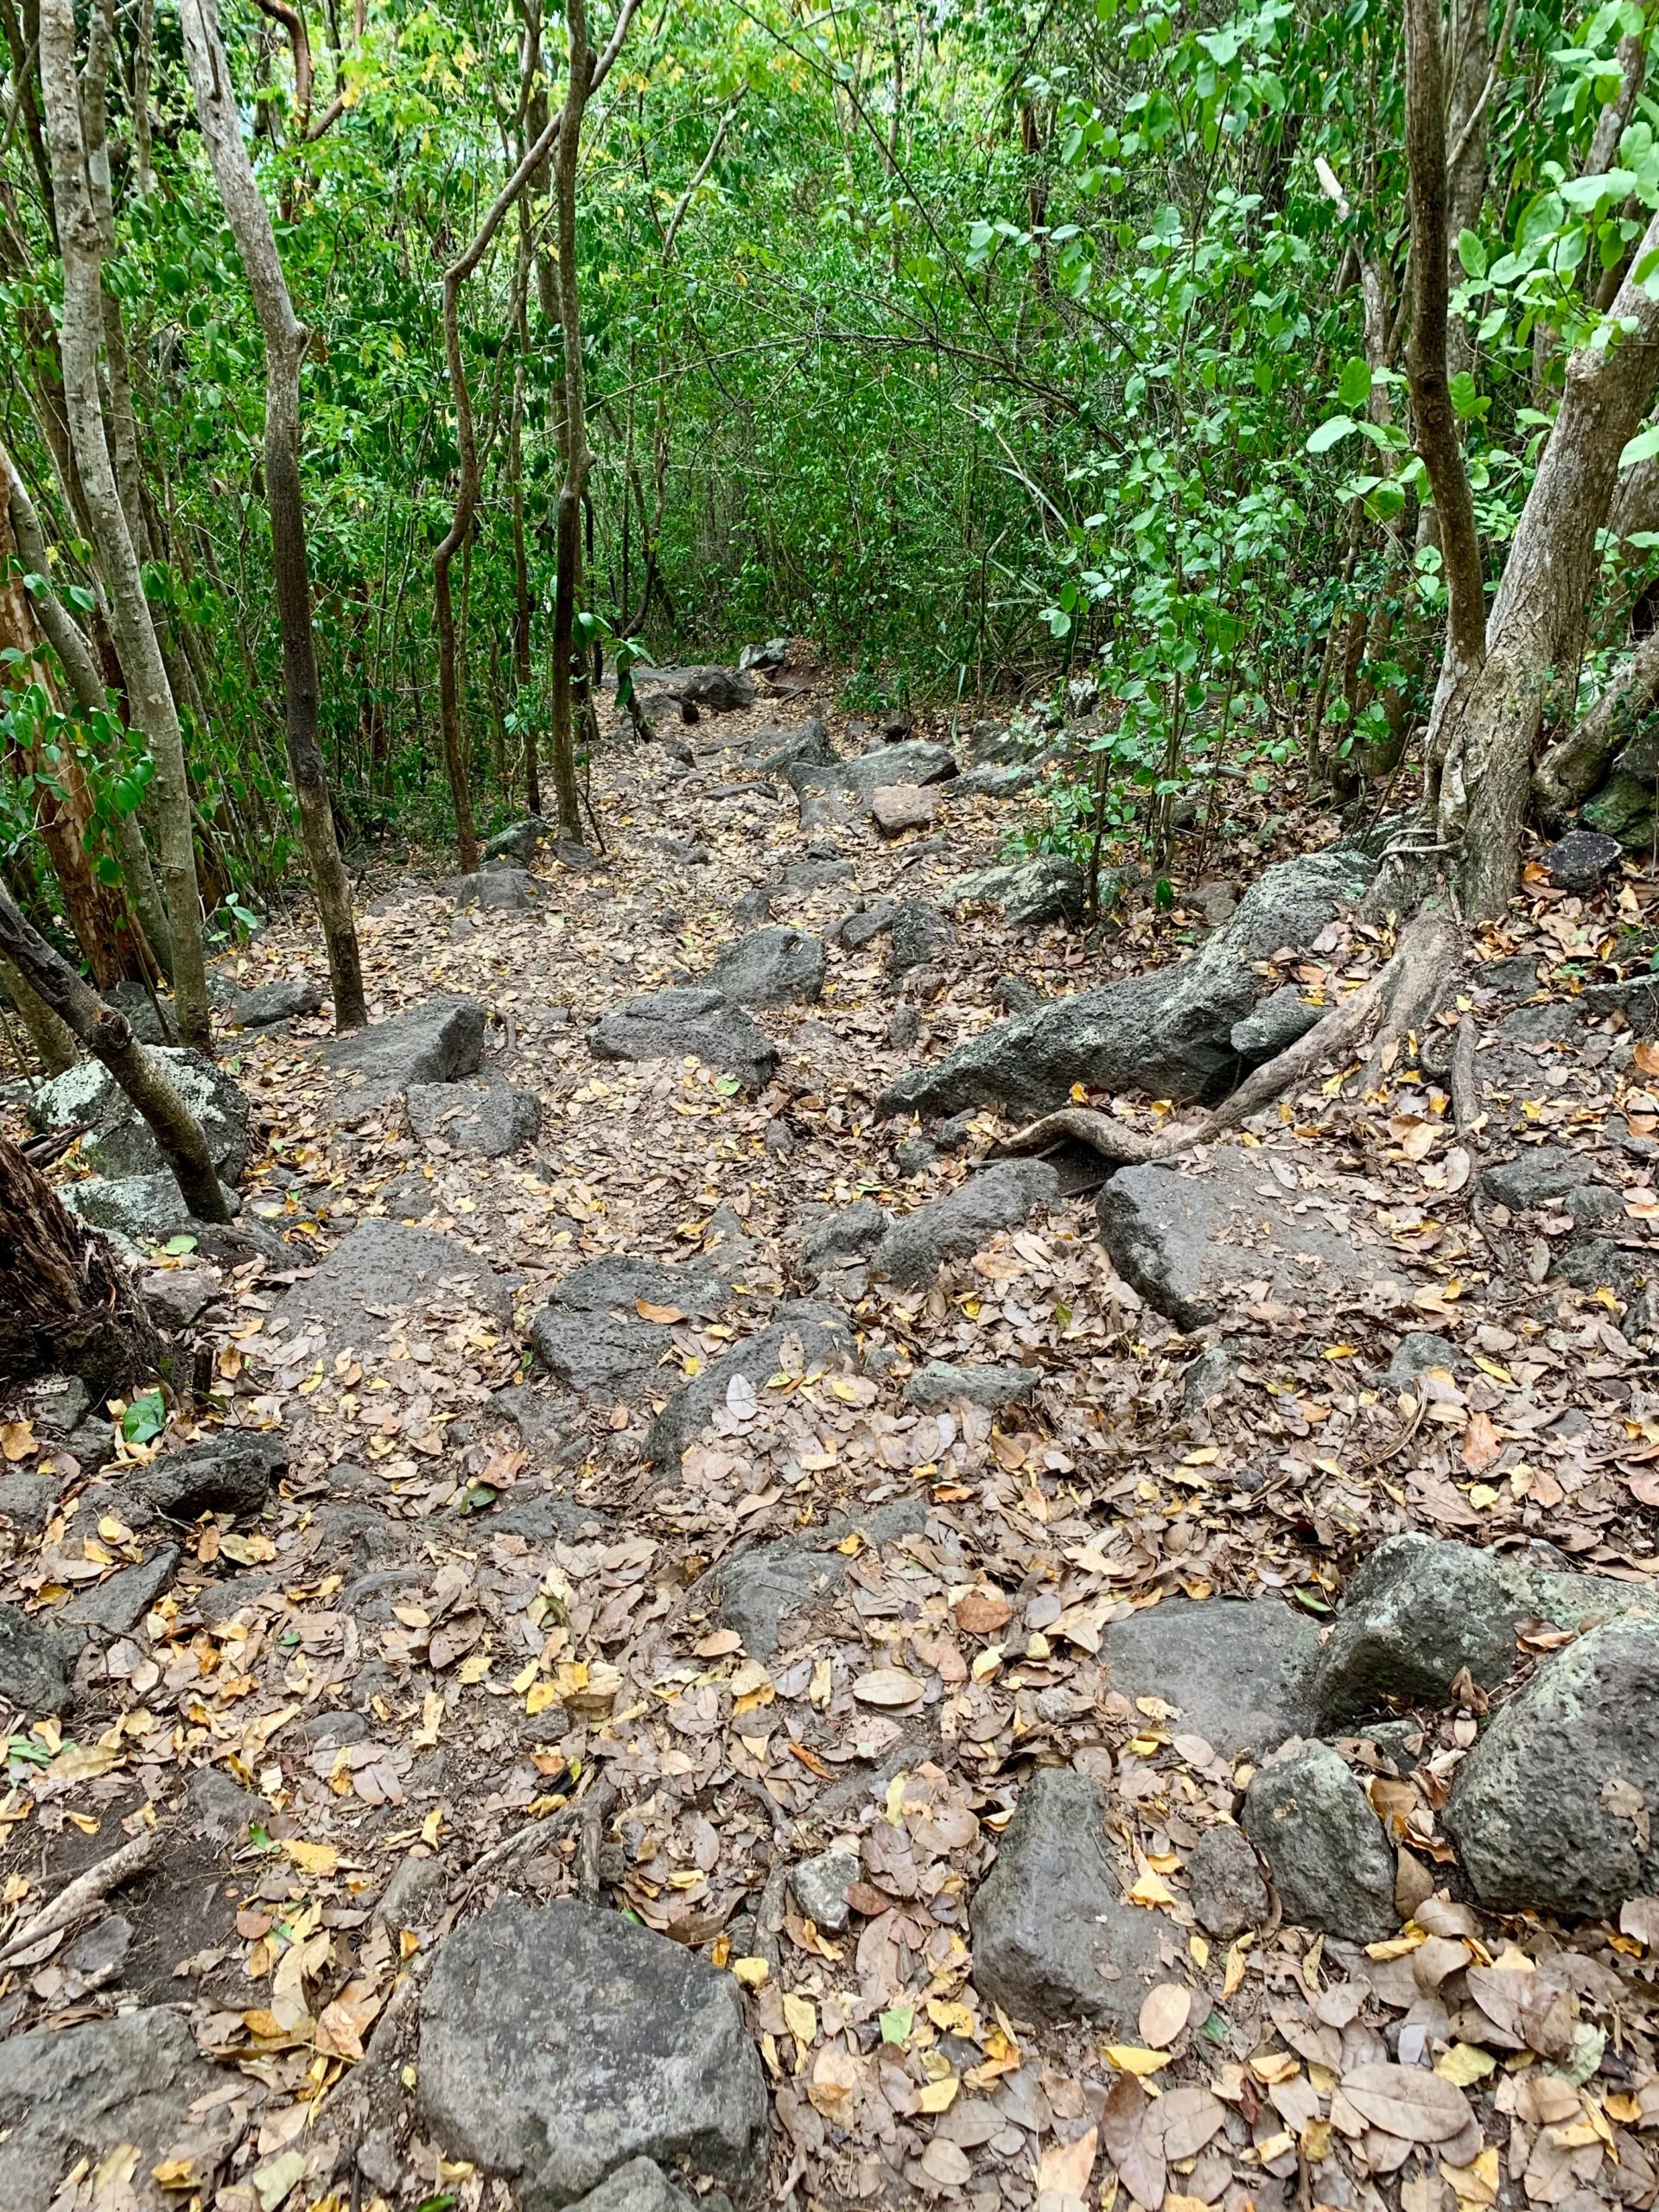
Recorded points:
69,1307
285,343
154,708
1487,736
575,439
107,1035
75,651
1573,768
53,1040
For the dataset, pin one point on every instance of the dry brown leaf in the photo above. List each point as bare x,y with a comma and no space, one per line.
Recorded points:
1067,2167
1164,2014
888,1685
1406,2102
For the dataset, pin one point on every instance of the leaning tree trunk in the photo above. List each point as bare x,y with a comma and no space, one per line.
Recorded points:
285,344
107,1035
1487,738
153,706
69,1307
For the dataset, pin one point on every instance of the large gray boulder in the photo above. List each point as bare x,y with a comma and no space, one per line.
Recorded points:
688,1018
438,1041
917,762
33,1677
116,1606
770,751
769,967
80,2092
558,2044
1054,1938
919,934
591,1336
965,1220
486,1118
230,1470
118,1141
824,1333
1167,1034
407,1271
1234,1668
519,842
1190,1244
1325,1846
1552,1810
775,1594
267,1005
1418,1611
1047,887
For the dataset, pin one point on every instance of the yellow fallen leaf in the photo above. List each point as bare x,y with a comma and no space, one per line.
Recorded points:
1234,1971
751,1973
311,1857
800,2016
1151,1890
938,2096
1129,2058
1465,2062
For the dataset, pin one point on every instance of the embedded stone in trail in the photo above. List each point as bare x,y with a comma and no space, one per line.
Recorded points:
687,1018
995,779
857,929
1000,1197
640,2186
823,1332
558,2044
917,763
33,1676
770,751
116,1606
1419,1610
775,1593
500,890
591,1335
1553,1809
840,1238
438,1041
769,968
1325,1846
489,1118
79,2093
1191,1243
518,841
938,1383
1233,1668
1542,1175
386,1264
1054,1938
1167,1034
895,808
149,1208
267,1004
821,1884
1046,888
119,1142
920,933
1229,1894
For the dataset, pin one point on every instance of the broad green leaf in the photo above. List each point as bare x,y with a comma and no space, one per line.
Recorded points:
1331,433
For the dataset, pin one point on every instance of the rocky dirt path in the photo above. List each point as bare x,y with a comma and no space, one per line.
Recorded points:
691,1628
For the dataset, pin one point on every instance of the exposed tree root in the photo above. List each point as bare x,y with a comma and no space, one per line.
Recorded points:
1403,993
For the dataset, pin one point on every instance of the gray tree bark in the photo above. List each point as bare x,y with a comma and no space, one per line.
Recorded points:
285,344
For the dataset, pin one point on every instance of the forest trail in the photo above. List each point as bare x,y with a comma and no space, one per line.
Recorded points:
660,1483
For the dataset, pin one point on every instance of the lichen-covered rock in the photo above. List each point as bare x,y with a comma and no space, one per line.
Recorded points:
558,2044
1325,1846
1047,887
1552,1810
118,1141
769,967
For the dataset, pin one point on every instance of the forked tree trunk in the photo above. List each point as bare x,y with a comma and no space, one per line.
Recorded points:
285,344
154,708
69,1307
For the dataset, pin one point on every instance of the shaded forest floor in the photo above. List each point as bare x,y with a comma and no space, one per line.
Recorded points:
474,1604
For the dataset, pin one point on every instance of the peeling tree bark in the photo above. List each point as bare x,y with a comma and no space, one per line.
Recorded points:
69,1307
285,344
1573,768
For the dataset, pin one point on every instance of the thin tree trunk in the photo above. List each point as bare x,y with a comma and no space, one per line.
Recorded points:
53,1040
107,1035
285,344
577,459
69,1307
74,649
154,708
